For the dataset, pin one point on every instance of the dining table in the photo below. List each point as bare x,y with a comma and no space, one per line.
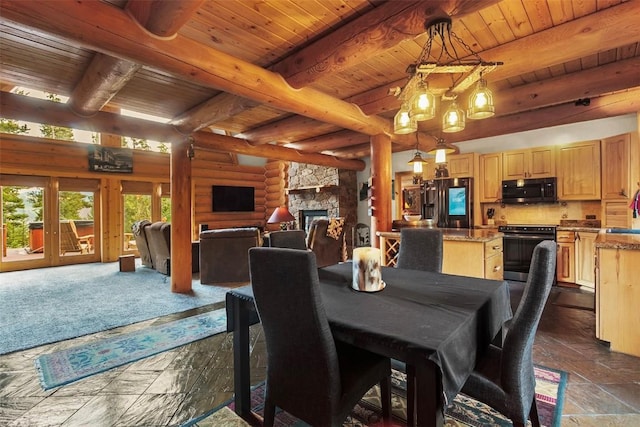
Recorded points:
439,324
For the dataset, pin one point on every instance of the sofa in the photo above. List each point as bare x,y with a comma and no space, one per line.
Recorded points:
224,254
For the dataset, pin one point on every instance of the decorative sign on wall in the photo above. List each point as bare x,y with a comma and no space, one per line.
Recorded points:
110,159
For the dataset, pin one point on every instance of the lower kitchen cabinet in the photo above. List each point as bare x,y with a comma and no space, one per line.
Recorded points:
480,257
617,299
585,257
565,259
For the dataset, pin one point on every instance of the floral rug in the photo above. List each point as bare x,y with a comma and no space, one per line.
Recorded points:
65,366
550,386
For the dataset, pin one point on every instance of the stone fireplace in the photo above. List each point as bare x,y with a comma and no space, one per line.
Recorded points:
316,190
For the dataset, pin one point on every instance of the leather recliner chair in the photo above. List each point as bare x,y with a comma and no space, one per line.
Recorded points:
159,238
139,230
326,240
224,254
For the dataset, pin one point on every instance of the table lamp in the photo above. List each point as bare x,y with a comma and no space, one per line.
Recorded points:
281,215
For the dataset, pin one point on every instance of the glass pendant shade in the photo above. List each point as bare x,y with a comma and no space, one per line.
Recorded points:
453,119
441,156
403,122
417,162
481,102
423,103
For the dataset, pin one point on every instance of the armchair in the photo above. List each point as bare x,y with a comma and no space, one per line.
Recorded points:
224,254
139,229
159,240
326,240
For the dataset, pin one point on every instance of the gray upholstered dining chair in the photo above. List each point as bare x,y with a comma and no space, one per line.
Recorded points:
309,375
420,249
292,239
504,377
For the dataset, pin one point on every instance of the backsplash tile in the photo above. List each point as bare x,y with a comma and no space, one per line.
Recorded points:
542,213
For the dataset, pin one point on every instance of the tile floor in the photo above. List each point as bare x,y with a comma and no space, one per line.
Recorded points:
175,386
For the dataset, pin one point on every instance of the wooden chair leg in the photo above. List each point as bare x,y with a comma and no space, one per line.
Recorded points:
385,397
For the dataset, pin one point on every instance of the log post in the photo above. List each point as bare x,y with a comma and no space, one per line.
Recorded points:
181,217
380,186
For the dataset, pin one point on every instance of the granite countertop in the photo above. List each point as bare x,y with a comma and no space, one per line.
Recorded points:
578,228
463,234
618,241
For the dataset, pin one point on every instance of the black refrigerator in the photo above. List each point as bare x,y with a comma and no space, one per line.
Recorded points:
449,201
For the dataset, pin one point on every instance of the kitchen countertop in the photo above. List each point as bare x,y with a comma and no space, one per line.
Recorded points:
461,234
577,228
618,241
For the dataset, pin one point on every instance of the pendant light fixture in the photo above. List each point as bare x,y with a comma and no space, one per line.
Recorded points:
453,57
403,122
441,150
417,164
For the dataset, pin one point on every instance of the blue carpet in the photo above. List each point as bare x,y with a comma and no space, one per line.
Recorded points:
47,305
72,364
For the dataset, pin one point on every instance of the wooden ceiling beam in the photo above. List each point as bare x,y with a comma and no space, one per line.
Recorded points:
591,30
600,107
20,107
106,75
565,89
366,36
82,23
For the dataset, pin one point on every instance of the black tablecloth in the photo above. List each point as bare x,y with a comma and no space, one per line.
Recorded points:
444,318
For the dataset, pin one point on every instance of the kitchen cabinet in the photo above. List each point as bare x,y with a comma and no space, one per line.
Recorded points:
490,177
620,176
479,255
565,258
616,167
618,296
578,167
473,259
460,165
585,259
537,162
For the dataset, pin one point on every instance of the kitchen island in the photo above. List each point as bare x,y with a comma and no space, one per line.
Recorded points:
618,291
466,252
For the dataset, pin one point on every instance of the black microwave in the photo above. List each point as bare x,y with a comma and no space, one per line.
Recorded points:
540,190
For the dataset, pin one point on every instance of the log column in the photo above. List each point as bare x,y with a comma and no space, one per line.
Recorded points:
380,186
181,217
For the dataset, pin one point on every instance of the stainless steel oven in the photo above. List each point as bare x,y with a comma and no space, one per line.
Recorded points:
518,244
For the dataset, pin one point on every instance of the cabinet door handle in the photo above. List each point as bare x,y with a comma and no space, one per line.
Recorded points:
497,268
496,247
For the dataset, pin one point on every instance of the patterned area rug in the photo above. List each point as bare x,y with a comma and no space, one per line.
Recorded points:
550,386
63,367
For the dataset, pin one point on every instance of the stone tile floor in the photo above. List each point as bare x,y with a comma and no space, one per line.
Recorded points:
170,388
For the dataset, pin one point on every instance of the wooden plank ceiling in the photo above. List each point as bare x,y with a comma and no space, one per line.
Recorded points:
218,66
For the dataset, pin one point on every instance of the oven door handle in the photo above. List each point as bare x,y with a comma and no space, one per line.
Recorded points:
529,237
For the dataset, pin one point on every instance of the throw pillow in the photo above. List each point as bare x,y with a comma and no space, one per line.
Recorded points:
334,228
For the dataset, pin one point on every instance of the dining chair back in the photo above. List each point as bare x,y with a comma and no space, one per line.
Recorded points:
420,249
309,375
292,239
504,378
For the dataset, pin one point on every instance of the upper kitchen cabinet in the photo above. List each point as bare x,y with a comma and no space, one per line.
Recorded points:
620,176
617,161
461,165
490,181
532,163
578,168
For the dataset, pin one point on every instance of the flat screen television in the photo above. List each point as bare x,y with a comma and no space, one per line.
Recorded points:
229,198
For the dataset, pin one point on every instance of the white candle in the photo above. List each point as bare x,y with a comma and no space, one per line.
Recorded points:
367,274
